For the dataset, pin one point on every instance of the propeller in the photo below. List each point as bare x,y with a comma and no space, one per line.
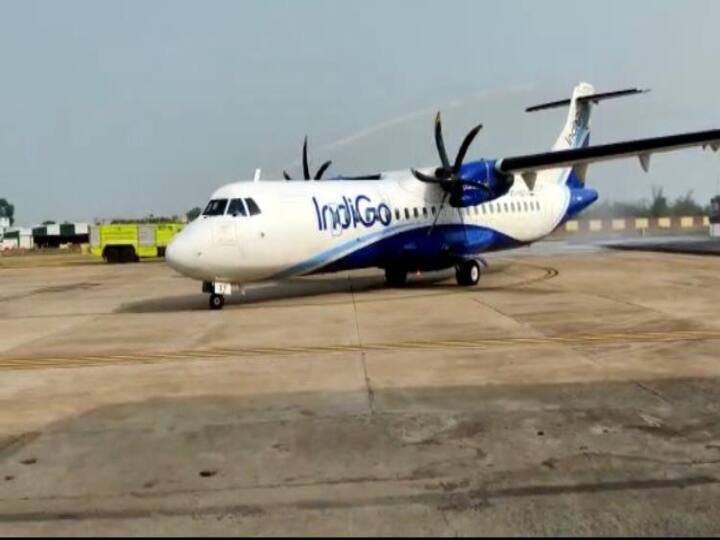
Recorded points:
306,166
447,175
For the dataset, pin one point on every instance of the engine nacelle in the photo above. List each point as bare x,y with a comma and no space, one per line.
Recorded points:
469,193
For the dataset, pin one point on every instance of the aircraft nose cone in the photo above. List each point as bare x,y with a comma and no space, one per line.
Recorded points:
172,253
179,254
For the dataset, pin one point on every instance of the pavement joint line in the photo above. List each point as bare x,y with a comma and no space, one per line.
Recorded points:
199,354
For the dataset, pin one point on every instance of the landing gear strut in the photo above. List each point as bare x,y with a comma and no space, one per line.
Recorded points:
217,301
467,273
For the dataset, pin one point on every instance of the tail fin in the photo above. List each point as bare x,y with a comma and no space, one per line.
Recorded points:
576,132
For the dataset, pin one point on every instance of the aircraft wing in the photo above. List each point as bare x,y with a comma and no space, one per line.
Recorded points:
640,148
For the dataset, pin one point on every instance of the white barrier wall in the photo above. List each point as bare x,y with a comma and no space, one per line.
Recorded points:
635,224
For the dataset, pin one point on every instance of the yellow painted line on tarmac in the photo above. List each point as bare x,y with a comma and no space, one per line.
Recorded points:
440,344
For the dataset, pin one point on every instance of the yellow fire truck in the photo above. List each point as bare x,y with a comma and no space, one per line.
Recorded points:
130,242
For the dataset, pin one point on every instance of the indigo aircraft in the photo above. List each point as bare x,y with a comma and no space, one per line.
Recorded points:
406,220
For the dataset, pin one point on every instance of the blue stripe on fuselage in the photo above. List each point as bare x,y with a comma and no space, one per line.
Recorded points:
410,246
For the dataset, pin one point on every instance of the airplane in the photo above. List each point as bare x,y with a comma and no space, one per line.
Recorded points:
408,220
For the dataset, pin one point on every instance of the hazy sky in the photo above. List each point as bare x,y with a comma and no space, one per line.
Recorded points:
121,108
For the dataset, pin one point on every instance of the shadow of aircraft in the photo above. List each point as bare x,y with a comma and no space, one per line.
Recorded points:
312,287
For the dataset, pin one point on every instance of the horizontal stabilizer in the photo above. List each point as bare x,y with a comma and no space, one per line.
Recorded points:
641,148
594,98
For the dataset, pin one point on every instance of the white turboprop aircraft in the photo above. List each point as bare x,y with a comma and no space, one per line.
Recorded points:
406,220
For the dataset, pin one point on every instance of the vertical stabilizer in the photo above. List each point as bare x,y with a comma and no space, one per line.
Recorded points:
576,132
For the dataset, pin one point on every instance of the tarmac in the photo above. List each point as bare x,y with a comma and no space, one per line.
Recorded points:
573,391
693,245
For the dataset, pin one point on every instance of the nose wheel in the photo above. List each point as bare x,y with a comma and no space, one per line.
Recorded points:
217,301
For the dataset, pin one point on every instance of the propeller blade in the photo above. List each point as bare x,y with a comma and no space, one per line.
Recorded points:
306,168
437,216
322,170
462,223
286,176
464,148
425,178
440,143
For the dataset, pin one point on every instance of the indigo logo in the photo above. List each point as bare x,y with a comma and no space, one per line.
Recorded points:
351,213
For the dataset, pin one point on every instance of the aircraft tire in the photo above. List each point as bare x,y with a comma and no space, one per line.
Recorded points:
467,273
395,277
217,301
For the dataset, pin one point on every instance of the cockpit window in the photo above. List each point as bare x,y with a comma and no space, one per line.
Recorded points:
215,207
252,207
237,208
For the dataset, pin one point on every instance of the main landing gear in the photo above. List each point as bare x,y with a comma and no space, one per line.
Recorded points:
467,273
395,277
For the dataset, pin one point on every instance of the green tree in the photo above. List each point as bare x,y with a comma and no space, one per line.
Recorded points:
193,213
7,210
686,206
659,206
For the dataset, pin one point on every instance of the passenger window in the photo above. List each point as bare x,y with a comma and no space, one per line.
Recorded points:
512,206
484,210
424,212
525,206
397,214
415,213
237,208
407,214
506,206
433,210
492,208
252,207
216,207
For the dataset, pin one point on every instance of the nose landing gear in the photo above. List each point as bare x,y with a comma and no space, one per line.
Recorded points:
218,291
217,301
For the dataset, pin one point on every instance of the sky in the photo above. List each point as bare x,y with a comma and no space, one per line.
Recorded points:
126,108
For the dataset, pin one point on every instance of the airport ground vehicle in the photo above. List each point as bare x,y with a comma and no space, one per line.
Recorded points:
130,242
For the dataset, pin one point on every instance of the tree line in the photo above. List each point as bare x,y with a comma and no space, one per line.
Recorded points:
658,206
7,210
